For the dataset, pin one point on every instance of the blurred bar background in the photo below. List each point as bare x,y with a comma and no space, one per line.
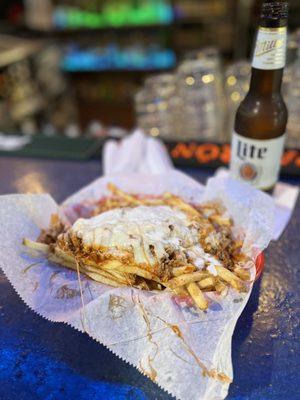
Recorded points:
97,68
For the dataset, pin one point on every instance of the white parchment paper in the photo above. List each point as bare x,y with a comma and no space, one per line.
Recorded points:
172,344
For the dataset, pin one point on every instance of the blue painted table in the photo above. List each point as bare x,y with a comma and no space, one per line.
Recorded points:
41,360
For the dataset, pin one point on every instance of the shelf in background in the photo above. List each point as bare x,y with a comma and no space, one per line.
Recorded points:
128,71
177,22
190,21
123,72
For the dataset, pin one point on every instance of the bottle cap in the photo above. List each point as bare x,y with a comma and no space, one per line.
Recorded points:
274,10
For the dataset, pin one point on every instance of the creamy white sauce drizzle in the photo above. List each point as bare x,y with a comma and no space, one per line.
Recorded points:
145,230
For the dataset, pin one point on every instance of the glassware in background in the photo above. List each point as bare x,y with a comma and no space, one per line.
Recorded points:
23,96
291,92
155,106
237,79
206,52
141,111
201,92
187,105
201,101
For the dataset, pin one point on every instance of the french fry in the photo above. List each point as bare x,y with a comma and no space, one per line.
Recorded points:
197,295
184,279
220,286
242,273
102,279
110,265
177,271
54,219
95,270
181,291
206,282
106,265
207,211
62,254
128,279
238,244
152,202
182,205
221,220
230,278
62,261
91,272
130,269
118,192
42,247
66,258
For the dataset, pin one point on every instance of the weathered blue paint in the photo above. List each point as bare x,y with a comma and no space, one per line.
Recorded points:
40,377
40,360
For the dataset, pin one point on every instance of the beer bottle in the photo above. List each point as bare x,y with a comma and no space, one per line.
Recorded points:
260,122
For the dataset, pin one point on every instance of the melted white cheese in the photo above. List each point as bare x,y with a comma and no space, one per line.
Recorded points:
201,258
141,230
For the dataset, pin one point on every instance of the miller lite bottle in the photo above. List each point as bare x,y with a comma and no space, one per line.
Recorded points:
260,122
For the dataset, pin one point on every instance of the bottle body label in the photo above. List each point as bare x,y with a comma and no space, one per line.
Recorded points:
270,48
256,161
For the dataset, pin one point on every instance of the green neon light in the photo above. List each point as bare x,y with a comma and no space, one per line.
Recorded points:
115,14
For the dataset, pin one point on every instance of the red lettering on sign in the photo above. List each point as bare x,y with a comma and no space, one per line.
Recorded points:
225,153
288,157
183,150
297,162
207,152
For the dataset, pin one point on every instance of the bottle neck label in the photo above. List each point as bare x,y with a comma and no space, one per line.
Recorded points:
256,161
270,48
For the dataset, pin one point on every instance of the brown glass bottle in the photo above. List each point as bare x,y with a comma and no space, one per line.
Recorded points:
261,118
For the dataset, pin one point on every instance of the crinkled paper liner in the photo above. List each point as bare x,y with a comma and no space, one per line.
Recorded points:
185,351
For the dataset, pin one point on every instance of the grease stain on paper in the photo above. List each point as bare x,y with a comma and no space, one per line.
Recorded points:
211,373
151,372
117,306
65,292
26,269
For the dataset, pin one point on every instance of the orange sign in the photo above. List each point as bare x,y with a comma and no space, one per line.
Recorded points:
214,153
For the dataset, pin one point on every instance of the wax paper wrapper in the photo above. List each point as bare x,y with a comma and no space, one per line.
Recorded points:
185,351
